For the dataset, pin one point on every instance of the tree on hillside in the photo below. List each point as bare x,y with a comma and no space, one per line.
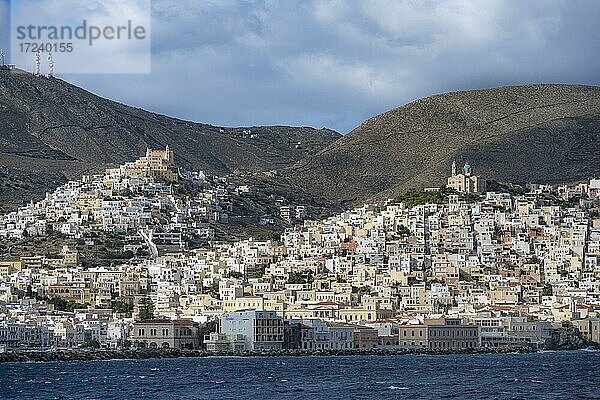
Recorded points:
296,278
403,231
235,274
146,308
121,307
364,289
213,289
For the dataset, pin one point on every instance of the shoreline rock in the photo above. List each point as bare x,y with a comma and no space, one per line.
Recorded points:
568,338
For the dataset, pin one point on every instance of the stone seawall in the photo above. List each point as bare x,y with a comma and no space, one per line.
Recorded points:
90,355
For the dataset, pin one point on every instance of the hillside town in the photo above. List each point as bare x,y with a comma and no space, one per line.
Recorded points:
463,266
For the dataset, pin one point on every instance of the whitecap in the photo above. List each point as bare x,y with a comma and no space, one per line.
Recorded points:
398,388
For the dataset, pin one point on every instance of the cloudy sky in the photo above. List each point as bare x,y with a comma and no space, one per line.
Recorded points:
336,63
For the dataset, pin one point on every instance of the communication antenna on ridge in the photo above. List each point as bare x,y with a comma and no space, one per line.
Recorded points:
50,65
2,57
38,63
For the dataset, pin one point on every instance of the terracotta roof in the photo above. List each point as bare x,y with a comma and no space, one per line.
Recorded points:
166,321
327,303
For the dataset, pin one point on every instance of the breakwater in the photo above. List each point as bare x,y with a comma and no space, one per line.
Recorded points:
120,354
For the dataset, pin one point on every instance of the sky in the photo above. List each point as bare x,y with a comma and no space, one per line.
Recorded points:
336,63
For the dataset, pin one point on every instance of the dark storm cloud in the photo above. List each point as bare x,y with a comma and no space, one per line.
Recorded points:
336,63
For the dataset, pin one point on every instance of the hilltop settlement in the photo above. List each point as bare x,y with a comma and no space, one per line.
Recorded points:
135,258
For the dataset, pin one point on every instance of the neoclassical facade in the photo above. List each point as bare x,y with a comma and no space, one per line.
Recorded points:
166,333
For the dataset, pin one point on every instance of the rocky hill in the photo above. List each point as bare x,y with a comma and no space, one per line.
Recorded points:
538,133
52,131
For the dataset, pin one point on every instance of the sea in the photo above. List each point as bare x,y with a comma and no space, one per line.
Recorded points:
544,375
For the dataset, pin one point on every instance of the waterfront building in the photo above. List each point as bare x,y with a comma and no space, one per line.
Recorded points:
222,342
511,331
365,337
439,334
329,335
262,330
166,333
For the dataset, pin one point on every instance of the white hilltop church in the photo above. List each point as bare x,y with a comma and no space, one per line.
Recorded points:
466,181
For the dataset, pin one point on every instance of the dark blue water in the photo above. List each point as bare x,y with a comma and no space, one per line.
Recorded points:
560,375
